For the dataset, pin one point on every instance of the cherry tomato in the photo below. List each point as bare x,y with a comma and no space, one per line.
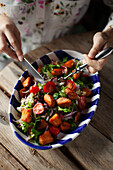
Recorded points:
34,89
54,130
82,102
70,84
38,108
49,87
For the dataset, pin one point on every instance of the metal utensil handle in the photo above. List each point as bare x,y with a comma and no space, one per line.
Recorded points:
104,53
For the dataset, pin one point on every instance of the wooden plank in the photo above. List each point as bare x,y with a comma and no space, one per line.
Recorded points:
9,76
7,161
78,42
30,158
106,77
103,117
93,150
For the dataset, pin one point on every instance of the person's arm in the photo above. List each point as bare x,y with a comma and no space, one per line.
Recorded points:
101,40
9,31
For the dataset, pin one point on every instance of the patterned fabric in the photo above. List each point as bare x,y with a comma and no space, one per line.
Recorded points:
40,21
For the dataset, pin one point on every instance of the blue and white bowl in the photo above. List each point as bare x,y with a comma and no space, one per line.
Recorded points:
85,118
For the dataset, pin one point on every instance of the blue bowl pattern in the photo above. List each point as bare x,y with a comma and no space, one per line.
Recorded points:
85,118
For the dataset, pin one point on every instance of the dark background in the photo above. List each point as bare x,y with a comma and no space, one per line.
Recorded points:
95,18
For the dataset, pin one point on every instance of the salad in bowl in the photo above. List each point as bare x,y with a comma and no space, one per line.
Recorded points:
50,115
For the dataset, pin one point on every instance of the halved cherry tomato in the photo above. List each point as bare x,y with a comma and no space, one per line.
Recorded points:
34,89
38,108
49,87
70,84
54,130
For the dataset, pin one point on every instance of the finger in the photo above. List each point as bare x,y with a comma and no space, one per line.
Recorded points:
15,44
18,36
91,70
98,43
4,47
97,65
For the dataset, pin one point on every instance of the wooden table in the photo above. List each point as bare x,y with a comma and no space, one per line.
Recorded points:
92,150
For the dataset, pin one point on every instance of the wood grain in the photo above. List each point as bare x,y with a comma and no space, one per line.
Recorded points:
7,161
103,117
93,150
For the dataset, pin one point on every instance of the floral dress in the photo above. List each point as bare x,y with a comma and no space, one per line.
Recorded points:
41,21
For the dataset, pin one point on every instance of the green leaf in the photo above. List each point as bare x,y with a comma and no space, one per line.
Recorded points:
28,11
67,5
33,8
69,109
66,13
40,85
23,18
65,59
36,132
70,11
61,3
24,126
55,96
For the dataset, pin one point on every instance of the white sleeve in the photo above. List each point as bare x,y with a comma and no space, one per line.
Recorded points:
110,22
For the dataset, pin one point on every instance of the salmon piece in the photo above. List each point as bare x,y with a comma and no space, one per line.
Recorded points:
63,102
45,138
65,126
27,115
77,117
87,91
69,63
49,100
42,125
76,75
72,95
56,71
27,82
39,69
67,90
55,120
22,92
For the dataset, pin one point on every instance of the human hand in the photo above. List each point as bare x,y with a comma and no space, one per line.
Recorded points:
101,40
9,31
